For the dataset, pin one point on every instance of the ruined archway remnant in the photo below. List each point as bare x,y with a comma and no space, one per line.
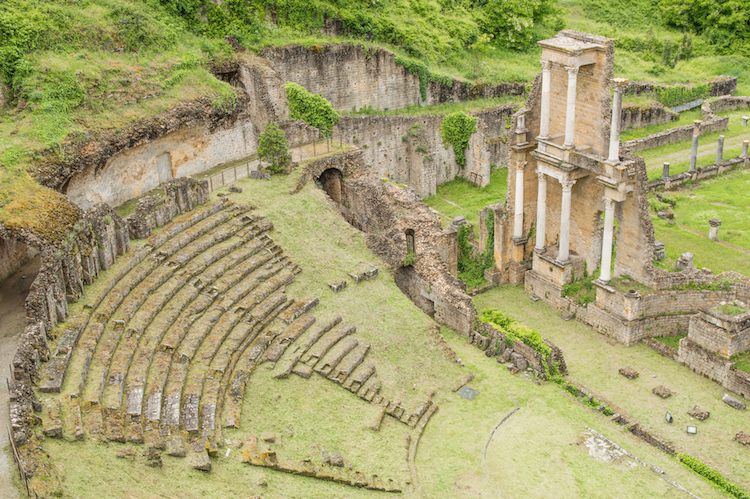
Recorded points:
411,248
332,181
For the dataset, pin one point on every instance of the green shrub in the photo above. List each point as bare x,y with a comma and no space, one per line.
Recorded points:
711,475
311,108
456,130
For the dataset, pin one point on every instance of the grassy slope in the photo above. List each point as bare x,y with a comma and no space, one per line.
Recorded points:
459,197
593,360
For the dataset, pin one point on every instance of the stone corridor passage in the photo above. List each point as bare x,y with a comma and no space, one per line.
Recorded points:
162,354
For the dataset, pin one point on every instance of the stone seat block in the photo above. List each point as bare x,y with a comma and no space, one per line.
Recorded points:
332,358
292,332
359,377
349,363
52,420
325,343
52,375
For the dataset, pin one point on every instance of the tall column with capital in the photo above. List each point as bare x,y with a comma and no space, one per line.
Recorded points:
541,211
570,113
544,118
605,271
564,253
614,131
518,214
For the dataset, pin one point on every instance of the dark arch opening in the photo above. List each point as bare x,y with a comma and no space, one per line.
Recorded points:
411,247
331,181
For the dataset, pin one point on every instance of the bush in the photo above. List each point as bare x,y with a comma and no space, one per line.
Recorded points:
273,147
311,108
456,130
713,476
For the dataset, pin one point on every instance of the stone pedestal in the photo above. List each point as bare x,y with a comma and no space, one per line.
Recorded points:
744,148
713,233
548,266
665,170
744,120
659,250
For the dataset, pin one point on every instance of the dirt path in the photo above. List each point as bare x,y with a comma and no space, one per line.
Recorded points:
704,150
723,243
13,293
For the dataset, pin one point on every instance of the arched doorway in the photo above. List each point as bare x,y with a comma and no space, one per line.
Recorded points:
331,181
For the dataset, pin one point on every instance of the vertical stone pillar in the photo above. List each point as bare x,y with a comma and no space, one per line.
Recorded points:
720,150
744,148
518,214
744,120
564,253
694,151
665,170
544,118
570,112
541,212
614,132
713,232
605,271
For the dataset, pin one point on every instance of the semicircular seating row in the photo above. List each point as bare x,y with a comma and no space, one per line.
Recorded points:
163,353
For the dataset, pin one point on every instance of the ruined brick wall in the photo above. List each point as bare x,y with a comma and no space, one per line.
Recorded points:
722,85
353,77
676,134
700,173
727,103
639,116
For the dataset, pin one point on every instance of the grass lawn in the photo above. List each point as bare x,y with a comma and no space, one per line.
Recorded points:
671,341
726,198
459,197
686,118
468,106
678,154
593,360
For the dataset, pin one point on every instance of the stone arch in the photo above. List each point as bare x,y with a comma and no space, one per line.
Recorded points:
411,245
332,181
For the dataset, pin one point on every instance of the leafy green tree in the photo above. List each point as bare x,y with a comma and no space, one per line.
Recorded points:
273,148
311,108
724,23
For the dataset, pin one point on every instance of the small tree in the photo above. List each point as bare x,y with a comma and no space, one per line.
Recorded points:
273,148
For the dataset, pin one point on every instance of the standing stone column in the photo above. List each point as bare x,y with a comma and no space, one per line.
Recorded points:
744,148
541,212
605,274
544,118
570,112
614,132
720,150
713,232
744,120
518,214
665,170
694,151
564,253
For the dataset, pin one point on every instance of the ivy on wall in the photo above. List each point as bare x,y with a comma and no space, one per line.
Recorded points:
425,76
311,108
456,130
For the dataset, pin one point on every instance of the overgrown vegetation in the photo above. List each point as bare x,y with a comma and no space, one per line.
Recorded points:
515,331
731,309
272,147
582,291
471,263
672,342
713,476
311,108
456,130
741,361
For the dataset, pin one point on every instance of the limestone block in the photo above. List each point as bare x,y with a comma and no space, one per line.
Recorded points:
733,402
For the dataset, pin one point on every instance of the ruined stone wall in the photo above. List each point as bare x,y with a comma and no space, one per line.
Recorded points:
639,116
13,253
353,77
384,212
676,134
720,334
700,173
410,150
182,153
722,85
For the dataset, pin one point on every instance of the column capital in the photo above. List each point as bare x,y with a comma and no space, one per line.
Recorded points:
619,84
541,176
572,71
521,166
546,65
567,185
609,203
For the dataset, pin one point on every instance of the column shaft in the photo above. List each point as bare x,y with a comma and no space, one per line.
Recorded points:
541,211
570,113
614,133
694,150
609,223
518,214
564,249
544,118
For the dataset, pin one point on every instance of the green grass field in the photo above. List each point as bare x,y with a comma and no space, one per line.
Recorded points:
460,198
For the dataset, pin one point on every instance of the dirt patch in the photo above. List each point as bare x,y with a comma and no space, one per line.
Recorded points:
598,448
